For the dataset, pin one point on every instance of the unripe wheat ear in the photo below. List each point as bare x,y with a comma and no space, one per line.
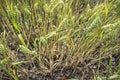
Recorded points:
2,49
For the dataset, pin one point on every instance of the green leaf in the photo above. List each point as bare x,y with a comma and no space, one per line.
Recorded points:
18,63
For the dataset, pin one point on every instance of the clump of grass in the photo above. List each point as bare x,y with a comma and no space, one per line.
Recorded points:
53,34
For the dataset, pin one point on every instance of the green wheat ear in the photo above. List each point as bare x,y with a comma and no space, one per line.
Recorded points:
25,50
2,49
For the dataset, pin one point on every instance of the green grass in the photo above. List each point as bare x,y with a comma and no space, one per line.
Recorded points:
56,35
